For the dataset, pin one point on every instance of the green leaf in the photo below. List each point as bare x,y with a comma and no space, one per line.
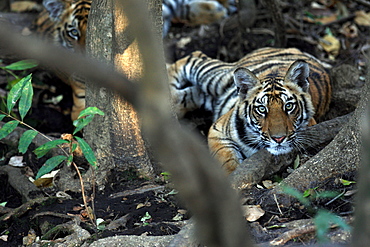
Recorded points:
145,219
25,102
8,128
82,122
91,111
22,65
87,151
74,146
50,164
16,92
26,140
2,116
3,204
100,224
44,149
346,182
310,192
296,162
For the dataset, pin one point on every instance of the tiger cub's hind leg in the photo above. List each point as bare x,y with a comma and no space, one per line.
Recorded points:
185,100
78,90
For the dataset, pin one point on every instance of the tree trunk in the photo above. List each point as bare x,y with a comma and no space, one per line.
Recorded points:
361,232
115,137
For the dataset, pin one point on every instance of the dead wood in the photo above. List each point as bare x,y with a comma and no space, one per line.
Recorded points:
24,208
363,2
143,189
298,229
21,183
76,237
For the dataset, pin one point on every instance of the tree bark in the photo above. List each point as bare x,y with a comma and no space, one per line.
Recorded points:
116,137
361,233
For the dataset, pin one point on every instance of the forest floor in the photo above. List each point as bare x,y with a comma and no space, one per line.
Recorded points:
336,32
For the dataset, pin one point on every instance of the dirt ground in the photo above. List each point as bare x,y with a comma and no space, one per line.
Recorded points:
339,26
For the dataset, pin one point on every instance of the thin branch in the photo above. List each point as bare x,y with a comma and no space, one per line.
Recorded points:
363,2
52,56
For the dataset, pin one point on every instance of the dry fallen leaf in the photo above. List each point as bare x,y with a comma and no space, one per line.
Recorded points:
268,184
4,238
43,182
141,205
331,45
183,42
16,161
252,212
362,18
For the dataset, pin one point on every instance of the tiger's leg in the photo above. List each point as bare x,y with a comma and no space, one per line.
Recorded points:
78,90
185,100
222,147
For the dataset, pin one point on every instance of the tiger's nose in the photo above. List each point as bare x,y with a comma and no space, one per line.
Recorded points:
278,139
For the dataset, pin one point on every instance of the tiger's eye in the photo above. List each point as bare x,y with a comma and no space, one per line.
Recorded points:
73,32
289,106
261,109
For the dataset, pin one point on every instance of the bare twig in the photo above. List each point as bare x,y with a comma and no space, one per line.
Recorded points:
24,208
277,204
89,213
363,2
299,231
289,235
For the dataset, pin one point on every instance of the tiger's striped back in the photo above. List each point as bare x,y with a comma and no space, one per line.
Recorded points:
198,81
264,100
191,12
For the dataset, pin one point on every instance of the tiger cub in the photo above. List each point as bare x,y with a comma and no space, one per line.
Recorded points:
64,22
264,100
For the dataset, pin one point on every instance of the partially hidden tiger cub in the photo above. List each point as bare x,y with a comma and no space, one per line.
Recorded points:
64,22
191,12
264,100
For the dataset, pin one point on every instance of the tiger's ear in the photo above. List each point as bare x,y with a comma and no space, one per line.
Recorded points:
244,80
54,7
298,74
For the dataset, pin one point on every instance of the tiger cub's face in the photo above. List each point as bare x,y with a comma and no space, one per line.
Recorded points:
69,20
275,109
